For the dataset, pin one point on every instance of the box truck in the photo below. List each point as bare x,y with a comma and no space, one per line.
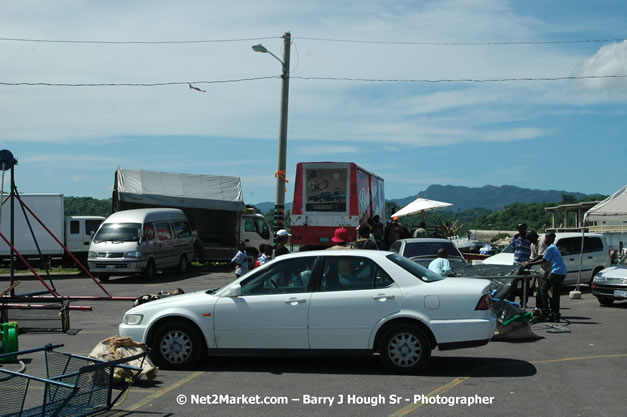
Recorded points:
213,204
74,231
328,195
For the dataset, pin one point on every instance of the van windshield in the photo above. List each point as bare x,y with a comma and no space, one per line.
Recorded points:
118,232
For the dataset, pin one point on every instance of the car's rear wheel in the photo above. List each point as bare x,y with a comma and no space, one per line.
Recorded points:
183,265
606,301
177,345
405,349
150,271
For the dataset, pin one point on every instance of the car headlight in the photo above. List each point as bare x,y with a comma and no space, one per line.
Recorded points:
133,319
599,278
92,254
133,254
624,280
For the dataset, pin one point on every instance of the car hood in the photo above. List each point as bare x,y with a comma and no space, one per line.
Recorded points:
188,300
614,272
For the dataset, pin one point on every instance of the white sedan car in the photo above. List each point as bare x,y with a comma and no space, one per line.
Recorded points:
327,302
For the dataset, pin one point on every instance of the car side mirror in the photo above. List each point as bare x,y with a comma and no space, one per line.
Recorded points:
234,291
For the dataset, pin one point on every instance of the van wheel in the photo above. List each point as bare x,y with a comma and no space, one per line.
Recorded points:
103,277
183,265
151,270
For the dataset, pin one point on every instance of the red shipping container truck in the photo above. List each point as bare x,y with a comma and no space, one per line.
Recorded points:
328,195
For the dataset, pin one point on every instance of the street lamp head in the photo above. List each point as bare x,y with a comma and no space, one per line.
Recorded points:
259,48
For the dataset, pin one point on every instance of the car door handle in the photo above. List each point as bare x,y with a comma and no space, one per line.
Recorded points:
382,297
294,301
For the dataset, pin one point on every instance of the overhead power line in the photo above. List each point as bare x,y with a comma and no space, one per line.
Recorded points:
461,80
163,84
460,43
138,42
193,41
373,80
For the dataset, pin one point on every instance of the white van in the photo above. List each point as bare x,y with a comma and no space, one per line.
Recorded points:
141,241
595,256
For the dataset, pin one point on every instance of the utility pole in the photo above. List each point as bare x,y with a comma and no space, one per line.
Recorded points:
279,207
281,173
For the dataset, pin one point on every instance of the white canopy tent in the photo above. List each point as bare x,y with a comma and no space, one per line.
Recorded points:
612,209
420,205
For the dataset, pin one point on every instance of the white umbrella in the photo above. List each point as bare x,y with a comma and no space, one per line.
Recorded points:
420,205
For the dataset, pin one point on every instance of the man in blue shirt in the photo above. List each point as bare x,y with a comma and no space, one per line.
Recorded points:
441,265
521,245
551,311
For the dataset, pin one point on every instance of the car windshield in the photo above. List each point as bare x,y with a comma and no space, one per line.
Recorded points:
428,249
118,232
415,269
623,261
508,249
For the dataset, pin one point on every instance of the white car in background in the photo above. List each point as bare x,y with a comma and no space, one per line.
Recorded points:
327,302
595,256
610,284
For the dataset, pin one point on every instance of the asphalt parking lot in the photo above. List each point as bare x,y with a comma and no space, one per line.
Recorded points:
580,373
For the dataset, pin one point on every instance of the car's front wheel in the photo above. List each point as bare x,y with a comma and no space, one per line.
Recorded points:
177,345
606,301
405,349
103,277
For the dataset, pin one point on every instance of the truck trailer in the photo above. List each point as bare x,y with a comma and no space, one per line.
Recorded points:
213,204
74,231
328,195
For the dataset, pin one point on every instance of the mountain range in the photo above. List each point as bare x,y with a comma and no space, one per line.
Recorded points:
463,198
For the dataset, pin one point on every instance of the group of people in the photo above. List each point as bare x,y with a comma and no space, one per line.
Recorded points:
531,249
241,261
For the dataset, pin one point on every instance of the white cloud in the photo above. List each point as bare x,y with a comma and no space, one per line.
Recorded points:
609,60
395,114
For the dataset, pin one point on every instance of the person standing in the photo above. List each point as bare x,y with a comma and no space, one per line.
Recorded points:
340,238
378,231
282,236
441,265
551,311
199,251
538,249
393,232
521,246
421,231
364,240
240,260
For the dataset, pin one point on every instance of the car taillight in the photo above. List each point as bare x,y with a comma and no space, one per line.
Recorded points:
485,302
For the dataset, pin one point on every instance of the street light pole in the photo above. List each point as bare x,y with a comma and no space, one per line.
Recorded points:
279,206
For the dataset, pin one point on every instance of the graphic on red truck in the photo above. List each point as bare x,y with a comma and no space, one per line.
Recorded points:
328,195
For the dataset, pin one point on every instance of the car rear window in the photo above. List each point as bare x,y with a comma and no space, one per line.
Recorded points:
415,269
430,249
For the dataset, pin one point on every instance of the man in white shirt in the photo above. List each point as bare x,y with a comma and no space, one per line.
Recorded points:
441,264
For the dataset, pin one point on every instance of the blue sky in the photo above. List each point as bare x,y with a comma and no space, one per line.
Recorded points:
567,134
